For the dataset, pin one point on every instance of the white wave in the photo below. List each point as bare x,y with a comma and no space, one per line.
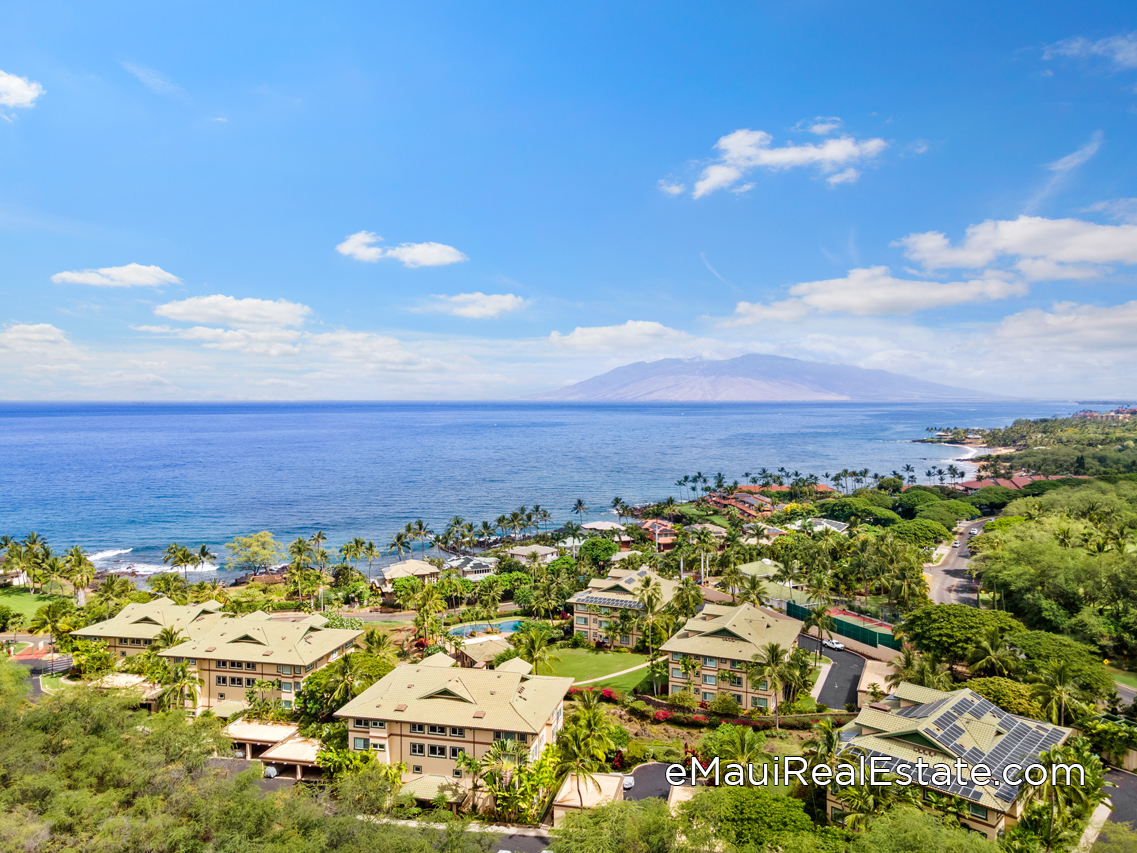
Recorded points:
106,555
127,568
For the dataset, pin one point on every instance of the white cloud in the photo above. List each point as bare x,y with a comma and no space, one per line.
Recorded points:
671,187
873,291
131,275
1040,248
369,349
1069,327
821,125
477,306
632,335
18,91
360,246
267,341
745,150
155,81
230,311
847,176
41,340
1123,209
1120,50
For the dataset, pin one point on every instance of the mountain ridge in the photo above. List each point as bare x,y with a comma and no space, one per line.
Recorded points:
756,378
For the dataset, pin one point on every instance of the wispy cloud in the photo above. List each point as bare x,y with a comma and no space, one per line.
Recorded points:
361,246
1123,209
230,311
1062,168
130,275
821,125
475,306
1120,51
155,81
671,187
744,151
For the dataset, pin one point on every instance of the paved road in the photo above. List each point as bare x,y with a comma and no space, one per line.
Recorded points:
840,686
651,781
1124,797
948,581
522,843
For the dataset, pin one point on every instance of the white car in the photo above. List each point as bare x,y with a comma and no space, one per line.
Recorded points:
629,782
974,530
955,544
833,644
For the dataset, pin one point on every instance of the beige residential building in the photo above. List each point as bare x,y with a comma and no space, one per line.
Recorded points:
428,716
136,625
525,553
238,652
724,640
921,724
424,571
597,609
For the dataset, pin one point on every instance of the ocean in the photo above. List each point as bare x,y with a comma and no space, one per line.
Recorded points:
125,480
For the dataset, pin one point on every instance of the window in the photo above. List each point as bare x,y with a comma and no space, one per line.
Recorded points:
524,738
361,743
436,730
284,669
457,732
222,664
582,620
737,697
308,668
736,664
435,751
221,681
418,749
191,661
378,724
137,642
234,664
676,673
676,688
220,695
709,662
457,774
625,640
757,702
676,656
708,697
298,684
287,705
418,729
378,746
455,751
504,736
250,682
977,811
762,685
286,686
710,680
735,681
361,724
252,667
416,768
723,662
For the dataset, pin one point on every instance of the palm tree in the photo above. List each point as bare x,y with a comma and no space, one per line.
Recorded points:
1057,691
991,656
581,753
820,619
347,679
933,673
204,555
687,598
376,643
167,638
649,593
690,667
113,592
53,618
80,570
534,645
179,687
369,553
573,532
399,544
731,578
769,667
904,667
753,590
580,509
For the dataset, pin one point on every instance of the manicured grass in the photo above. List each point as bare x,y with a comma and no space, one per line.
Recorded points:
1129,679
585,664
629,682
52,683
22,601
698,514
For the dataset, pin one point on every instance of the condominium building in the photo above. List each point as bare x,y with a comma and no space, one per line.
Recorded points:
597,610
724,640
428,716
940,728
136,625
237,653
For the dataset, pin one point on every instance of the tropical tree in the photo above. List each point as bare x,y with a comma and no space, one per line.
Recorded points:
348,677
582,755
753,590
180,687
991,656
687,598
534,645
820,619
768,667
1057,691
580,509
167,638
649,594
80,570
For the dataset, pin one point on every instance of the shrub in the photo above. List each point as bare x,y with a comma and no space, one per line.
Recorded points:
684,700
822,707
662,716
640,709
725,705
851,706
1009,695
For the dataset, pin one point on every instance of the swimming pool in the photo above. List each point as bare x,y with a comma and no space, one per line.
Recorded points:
506,627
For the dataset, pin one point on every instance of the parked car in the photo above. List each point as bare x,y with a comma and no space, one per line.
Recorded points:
955,544
833,644
629,782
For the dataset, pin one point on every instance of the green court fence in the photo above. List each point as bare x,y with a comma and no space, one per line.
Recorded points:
844,628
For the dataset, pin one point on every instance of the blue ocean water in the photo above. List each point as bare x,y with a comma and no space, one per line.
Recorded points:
124,480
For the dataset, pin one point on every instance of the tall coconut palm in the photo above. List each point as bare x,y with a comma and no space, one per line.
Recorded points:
80,570
204,555
991,656
113,593
347,678
581,753
580,509
753,590
649,594
904,667
167,638
769,666
180,686
534,645
731,580
370,553
820,619
399,544
1057,691
687,598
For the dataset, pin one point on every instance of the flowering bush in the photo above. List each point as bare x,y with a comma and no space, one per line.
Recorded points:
662,716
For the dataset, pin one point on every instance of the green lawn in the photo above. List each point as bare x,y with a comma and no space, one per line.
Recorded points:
1129,679
22,601
52,683
585,664
698,514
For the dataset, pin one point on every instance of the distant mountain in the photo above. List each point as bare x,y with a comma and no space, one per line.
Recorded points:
755,378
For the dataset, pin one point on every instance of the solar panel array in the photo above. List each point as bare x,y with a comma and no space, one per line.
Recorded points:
607,601
1023,741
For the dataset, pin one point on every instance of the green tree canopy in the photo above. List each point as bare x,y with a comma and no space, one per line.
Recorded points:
949,631
256,552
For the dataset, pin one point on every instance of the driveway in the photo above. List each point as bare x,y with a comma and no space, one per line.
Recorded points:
522,843
840,687
651,781
1124,797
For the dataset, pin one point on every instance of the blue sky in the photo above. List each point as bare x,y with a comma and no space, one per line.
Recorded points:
276,201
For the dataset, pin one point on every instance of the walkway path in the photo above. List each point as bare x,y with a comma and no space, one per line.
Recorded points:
615,674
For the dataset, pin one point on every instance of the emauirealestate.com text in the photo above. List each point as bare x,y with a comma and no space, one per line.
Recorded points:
873,771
